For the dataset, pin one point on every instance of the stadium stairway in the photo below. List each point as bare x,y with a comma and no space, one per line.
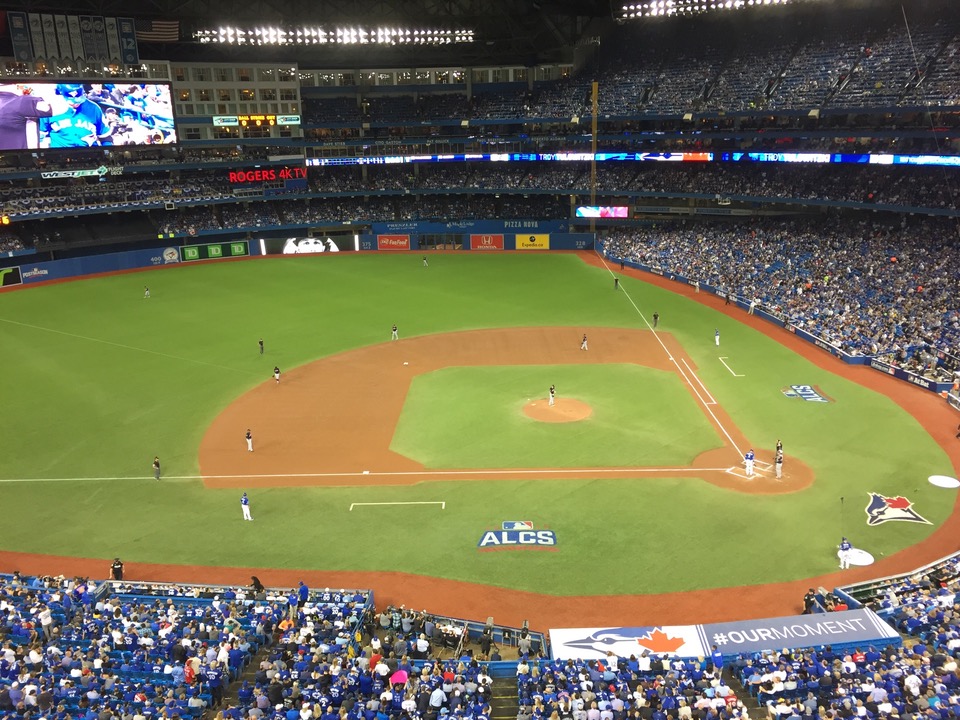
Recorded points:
743,695
504,703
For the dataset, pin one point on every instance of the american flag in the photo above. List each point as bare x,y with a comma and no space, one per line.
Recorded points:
157,31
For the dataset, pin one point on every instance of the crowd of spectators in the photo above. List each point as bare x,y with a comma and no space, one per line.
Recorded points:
902,187
10,241
911,596
643,686
70,650
862,59
393,673
868,288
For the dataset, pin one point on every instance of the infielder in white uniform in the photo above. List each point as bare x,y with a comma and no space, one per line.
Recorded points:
778,464
393,333
245,506
249,438
553,394
583,343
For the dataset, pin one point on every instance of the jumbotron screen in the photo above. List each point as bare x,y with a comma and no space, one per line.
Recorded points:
44,114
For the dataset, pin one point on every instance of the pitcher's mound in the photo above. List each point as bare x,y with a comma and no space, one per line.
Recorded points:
563,410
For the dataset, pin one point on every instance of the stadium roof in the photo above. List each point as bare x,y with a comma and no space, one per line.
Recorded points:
506,32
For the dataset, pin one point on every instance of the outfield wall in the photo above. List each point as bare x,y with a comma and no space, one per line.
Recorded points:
537,236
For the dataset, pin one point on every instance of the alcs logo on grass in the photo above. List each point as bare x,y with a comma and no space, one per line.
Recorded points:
810,393
517,535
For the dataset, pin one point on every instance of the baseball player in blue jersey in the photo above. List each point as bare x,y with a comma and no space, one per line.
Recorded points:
245,506
845,547
75,122
748,458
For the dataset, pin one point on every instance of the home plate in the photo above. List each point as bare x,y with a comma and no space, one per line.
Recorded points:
944,481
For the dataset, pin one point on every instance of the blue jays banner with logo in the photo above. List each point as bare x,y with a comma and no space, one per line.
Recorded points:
849,627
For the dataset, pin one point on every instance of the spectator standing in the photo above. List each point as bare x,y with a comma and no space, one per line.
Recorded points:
213,676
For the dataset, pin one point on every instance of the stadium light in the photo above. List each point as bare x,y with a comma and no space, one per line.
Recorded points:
669,8
267,35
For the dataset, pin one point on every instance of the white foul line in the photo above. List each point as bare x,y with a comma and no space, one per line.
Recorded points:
443,505
712,401
728,367
706,405
427,474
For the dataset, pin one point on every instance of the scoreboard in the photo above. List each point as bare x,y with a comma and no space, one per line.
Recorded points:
254,120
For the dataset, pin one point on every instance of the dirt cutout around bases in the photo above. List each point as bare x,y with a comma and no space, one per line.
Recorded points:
543,611
330,422
563,410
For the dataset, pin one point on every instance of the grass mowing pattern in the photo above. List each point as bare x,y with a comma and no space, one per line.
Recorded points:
100,380
471,417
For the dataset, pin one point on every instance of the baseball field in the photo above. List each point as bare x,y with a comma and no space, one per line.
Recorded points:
432,467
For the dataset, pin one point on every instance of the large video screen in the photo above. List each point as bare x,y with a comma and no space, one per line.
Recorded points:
305,245
45,114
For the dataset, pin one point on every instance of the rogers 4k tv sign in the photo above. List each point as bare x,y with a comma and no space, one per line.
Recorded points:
518,535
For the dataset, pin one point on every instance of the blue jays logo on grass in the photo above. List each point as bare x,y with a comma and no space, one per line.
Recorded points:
518,535
882,509
810,393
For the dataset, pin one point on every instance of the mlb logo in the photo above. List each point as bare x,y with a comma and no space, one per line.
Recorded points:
517,525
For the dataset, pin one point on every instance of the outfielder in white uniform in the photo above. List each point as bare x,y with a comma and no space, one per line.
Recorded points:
716,336
748,461
245,506
249,439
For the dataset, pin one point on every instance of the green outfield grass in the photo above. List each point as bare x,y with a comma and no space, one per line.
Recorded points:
101,380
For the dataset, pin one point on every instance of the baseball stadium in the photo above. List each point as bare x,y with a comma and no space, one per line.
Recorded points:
606,333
